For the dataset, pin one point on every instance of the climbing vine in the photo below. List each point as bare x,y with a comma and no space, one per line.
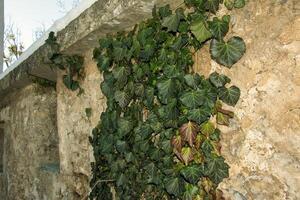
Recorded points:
71,64
157,138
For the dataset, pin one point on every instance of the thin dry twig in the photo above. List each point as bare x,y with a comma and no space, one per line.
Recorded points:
99,181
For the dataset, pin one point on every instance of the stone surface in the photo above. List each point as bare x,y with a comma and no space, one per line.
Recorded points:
30,142
75,127
262,143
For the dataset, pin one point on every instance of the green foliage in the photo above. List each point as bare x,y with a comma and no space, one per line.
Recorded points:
234,4
88,112
72,65
155,140
200,30
227,53
41,81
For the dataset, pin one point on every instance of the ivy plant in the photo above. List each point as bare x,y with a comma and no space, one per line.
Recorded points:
156,138
71,64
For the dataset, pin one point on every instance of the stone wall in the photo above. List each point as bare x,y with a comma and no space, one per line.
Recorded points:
75,127
31,162
262,143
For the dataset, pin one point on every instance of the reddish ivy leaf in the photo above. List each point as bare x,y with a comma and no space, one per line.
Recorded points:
188,132
177,142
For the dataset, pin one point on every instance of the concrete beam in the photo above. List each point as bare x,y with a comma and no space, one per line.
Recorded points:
78,32
1,34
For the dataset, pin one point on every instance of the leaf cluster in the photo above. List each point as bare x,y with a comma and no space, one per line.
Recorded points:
155,139
71,64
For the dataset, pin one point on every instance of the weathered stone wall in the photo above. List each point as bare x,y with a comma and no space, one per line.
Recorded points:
262,143
74,128
31,159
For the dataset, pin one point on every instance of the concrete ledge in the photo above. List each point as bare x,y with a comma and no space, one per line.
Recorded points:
78,32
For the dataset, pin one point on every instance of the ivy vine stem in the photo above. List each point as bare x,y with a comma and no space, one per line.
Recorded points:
92,188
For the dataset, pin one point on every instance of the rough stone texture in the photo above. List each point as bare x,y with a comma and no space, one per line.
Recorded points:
30,144
74,127
262,143
2,191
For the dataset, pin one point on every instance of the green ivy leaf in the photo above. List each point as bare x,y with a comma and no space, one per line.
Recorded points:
192,80
88,112
199,4
219,80
192,173
212,5
171,22
219,27
192,99
166,146
119,53
103,63
227,53
216,168
124,126
144,130
230,95
230,4
147,52
51,39
153,174
169,111
149,96
180,41
75,62
166,90
174,186
122,98
187,155
121,146
199,115
129,157
190,192
121,74
172,71
215,136
200,30
70,83
139,89
106,144
165,11
183,27
207,128
239,3
210,93
207,148
105,43
122,180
